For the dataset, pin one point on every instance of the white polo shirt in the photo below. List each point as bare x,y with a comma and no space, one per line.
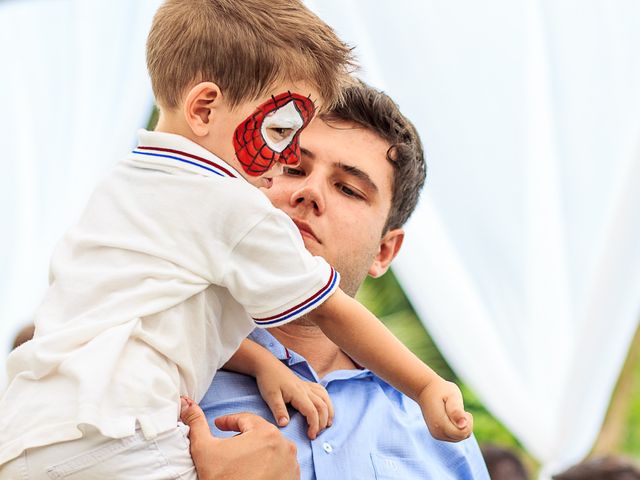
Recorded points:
173,263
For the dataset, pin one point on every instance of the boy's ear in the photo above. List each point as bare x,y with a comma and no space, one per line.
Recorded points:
199,105
387,251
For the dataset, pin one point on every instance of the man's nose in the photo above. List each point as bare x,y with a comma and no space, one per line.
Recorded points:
309,195
276,169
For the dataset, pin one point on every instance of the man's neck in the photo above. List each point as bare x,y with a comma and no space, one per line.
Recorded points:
306,339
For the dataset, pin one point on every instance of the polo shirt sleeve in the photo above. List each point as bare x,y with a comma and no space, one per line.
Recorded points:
273,275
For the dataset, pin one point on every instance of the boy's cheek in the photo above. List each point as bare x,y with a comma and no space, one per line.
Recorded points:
251,148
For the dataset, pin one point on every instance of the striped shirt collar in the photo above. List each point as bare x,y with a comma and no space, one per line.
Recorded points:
177,152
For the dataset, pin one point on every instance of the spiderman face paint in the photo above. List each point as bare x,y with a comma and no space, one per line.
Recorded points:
270,134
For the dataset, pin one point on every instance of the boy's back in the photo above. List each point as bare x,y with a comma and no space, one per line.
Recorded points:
146,292
142,306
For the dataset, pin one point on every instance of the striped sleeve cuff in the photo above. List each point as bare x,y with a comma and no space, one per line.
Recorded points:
304,307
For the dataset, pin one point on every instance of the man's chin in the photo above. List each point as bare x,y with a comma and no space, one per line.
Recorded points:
312,245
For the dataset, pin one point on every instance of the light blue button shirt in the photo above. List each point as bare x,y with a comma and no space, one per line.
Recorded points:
377,433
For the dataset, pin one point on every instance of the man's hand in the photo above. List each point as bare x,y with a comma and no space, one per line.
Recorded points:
443,409
259,452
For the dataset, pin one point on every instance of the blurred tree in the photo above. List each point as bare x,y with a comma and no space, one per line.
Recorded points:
621,428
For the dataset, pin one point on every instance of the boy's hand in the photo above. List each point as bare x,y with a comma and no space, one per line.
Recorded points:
443,409
279,386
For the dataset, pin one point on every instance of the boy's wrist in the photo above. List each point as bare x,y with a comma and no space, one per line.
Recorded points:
428,386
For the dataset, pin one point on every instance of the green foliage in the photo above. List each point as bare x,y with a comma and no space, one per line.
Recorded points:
631,439
385,298
153,119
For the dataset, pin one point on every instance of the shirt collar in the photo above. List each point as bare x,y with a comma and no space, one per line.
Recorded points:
298,363
170,152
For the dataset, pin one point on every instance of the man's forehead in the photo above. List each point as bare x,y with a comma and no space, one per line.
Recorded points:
338,136
347,146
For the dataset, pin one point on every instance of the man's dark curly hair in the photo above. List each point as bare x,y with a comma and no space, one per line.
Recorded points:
375,111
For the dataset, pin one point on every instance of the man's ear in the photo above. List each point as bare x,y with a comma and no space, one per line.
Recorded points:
387,251
199,105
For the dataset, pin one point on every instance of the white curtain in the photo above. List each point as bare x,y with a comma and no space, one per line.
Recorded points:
523,259
73,92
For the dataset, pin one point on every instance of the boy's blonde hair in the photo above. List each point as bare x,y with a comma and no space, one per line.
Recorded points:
245,47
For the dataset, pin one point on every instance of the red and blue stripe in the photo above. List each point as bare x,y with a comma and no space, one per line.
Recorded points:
185,157
305,306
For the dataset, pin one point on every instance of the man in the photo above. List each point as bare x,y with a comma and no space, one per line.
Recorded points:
360,177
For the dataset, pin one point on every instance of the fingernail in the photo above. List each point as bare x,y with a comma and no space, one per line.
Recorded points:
183,404
282,421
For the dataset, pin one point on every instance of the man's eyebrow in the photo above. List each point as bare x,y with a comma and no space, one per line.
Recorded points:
307,153
359,174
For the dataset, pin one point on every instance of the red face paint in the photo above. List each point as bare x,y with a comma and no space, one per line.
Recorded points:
270,134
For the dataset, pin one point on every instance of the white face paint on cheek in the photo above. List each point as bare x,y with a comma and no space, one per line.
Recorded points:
287,117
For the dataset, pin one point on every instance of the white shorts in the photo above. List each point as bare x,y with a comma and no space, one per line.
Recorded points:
94,457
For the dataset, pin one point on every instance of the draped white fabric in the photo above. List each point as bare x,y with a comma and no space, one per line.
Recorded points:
73,92
523,258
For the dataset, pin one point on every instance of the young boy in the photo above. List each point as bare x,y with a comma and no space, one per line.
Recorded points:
178,257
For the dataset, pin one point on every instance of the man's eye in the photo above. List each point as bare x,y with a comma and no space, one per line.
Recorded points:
296,172
278,134
350,192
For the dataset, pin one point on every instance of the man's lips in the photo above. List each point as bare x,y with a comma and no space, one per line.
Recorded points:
305,229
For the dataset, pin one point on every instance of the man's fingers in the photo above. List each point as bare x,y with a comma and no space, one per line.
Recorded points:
241,422
193,416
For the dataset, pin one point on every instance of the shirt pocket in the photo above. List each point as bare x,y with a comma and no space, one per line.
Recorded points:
394,468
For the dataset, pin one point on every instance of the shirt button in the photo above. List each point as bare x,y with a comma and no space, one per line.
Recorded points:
327,447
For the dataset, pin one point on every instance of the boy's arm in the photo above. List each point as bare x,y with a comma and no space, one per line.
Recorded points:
363,337
278,386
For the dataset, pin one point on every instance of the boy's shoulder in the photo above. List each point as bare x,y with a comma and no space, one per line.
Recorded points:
163,191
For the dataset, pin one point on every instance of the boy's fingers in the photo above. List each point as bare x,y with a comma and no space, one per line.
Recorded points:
469,418
324,395
323,410
454,407
455,433
308,410
458,417
278,408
